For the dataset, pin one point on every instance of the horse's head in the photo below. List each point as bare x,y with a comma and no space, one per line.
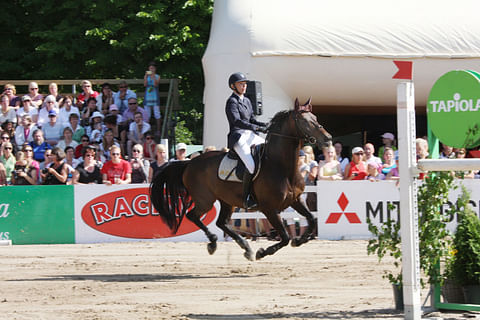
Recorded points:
307,124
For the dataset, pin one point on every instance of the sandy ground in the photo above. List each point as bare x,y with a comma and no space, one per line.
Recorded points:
320,280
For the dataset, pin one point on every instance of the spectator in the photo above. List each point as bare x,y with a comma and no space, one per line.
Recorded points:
330,168
120,99
86,94
373,170
9,128
393,174
78,130
45,164
56,172
129,114
136,131
39,145
53,90
108,141
149,146
209,148
113,110
105,99
88,172
160,160
96,127
356,169
304,169
7,159
3,175
151,80
447,152
388,161
84,142
340,157
52,130
460,153
117,170
70,157
23,173
66,109
421,147
387,140
67,140
24,132
27,108
180,152
119,130
43,115
140,166
88,112
31,163
370,154
10,91
37,98
311,178
7,112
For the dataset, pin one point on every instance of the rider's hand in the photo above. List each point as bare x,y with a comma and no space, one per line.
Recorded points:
262,129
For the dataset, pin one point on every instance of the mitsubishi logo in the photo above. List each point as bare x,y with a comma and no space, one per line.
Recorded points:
335,216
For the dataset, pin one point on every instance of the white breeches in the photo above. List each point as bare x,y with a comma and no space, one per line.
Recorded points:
242,147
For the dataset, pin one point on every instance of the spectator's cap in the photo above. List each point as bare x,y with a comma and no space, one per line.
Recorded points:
96,114
113,107
26,97
357,150
388,135
52,113
301,153
181,146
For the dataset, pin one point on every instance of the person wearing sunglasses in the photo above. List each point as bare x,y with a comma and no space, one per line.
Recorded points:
88,172
27,108
121,97
140,166
86,94
23,174
117,170
31,163
37,98
8,160
10,91
149,146
56,172
7,113
356,169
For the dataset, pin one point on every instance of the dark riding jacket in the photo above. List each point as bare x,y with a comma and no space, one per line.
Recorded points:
240,115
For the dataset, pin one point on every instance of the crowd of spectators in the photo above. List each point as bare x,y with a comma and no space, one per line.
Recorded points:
95,137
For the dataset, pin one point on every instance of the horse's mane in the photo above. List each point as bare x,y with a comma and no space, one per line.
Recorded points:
278,119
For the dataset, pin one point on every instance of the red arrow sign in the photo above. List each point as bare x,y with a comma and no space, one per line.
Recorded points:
404,70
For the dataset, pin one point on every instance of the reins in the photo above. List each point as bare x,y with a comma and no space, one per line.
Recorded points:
307,138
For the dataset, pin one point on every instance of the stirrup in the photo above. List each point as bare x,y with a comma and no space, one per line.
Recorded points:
249,202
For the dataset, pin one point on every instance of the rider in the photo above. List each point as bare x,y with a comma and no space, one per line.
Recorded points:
243,131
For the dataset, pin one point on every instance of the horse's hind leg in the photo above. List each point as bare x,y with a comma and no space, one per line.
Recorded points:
301,207
194,216
222,222
276,222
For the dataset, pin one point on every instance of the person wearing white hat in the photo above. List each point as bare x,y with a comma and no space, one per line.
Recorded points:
27,109
387,140
180,152
48,104
356,169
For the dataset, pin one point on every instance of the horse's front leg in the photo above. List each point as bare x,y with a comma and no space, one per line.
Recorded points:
226,211
276,222
194,216
301,207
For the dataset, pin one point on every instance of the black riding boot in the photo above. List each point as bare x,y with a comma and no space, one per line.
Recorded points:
248,198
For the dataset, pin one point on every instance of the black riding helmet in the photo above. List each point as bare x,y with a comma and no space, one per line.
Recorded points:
236,77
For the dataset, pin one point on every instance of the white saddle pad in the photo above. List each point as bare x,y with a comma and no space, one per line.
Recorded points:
226,170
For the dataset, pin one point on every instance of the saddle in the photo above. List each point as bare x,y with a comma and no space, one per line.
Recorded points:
231,167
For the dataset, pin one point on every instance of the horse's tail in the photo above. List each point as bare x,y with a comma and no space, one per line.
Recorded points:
169,195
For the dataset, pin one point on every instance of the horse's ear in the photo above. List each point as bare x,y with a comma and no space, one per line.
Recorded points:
297,104
308,105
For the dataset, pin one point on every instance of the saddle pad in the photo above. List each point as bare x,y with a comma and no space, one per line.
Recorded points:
226,170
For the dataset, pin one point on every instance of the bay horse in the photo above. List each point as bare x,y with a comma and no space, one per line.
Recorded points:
191,187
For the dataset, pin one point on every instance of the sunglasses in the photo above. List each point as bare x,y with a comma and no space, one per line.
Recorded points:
132,103
8,148
116,154
33,88
84,140
90,155
8,89
27,150
359,154
5,138
123,87
135,150
149,138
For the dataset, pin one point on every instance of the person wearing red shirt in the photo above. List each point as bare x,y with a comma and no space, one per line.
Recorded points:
117,170
356,169
87,93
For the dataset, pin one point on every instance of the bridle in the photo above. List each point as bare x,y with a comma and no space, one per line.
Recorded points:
301,135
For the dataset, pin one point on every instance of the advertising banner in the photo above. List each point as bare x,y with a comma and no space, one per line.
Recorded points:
37,214
125,213
344,206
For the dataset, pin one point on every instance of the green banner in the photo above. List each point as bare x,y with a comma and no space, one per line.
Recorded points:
37,214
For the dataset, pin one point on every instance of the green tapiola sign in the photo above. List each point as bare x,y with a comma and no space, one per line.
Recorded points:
453,109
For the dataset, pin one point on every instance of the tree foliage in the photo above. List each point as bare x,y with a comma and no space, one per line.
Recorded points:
47,39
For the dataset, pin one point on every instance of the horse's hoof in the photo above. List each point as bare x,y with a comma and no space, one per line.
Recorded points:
212,247
260,254
248,255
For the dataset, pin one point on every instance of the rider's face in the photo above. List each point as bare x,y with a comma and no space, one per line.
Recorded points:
241,87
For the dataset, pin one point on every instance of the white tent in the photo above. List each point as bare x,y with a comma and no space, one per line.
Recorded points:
338,52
